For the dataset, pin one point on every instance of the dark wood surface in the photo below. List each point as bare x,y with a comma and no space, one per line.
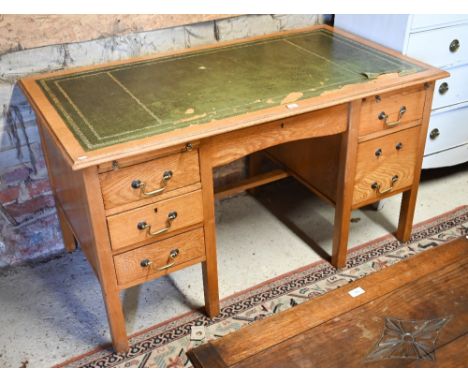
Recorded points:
336,330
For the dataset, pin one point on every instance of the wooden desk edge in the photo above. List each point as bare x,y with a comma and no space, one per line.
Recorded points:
80,159
211,355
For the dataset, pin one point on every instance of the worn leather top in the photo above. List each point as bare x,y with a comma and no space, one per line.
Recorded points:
116,104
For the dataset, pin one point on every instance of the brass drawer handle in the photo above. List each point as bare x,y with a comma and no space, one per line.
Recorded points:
375,186
172,255
443,88
145,226
142,185
434,133
454,46
384,116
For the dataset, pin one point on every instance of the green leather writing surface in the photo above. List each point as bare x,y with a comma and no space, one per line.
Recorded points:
130,101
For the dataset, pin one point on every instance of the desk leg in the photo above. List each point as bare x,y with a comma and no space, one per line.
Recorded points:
69,240
100,253
344,195
408,202
115,316
209,266
408,206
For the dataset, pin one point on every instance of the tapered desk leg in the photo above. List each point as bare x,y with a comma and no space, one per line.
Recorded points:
69,240
344,195
408,206
408,202
115,315
99,250
209,266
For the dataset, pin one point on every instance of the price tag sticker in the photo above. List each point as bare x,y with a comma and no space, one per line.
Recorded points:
356,292
197,333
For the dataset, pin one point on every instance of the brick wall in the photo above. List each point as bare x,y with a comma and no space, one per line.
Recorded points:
29,229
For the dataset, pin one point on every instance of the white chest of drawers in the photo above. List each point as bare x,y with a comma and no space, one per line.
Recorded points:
439,40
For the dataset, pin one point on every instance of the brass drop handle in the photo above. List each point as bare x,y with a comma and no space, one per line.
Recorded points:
172,255
454,46
145,226
434,133
384,116
167,175
443,88
375,186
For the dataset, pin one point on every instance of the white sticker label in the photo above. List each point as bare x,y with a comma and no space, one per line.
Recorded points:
197,333
292,105
356,292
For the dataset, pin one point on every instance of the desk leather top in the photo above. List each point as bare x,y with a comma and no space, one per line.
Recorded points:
117,104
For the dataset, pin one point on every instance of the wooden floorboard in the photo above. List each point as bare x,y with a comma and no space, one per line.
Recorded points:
426,298
336,330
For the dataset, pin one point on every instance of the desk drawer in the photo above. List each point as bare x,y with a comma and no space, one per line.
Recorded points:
440,47
385,166
155,221
452,90
161,258
166,174
390,110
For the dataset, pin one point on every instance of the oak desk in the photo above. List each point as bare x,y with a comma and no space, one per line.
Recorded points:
131,146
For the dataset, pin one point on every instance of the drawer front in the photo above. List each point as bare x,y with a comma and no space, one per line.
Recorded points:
158,259
155,221
447,129
439,47
380,160
149,181
403,108
430,21
452,90
450,157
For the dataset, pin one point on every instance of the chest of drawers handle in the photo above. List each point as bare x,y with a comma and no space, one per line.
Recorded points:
377,187
443,88
454,46
434,133
142,186
384,116
145,226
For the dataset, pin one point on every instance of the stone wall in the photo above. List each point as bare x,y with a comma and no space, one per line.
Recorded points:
29,229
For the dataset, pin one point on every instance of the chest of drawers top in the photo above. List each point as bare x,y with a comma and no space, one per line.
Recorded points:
107,112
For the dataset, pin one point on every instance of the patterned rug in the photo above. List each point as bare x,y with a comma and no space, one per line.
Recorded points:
165,345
